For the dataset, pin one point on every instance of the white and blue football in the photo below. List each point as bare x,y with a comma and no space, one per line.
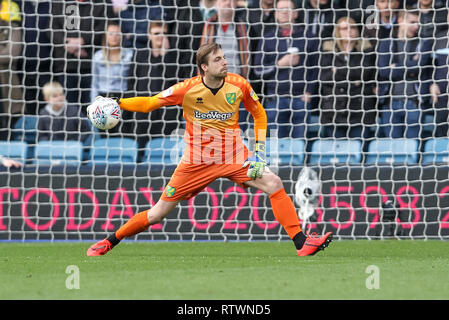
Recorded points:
104,113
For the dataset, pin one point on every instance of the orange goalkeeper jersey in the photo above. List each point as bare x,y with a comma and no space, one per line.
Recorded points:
212,131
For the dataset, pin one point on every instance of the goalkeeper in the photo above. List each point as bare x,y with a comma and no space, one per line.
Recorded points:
214,149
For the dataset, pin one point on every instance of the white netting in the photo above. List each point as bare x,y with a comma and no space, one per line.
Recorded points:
362,100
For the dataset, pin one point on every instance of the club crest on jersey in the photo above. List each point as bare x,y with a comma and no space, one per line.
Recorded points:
231,97
169,191
213,115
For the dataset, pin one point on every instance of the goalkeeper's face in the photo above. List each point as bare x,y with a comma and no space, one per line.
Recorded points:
217,66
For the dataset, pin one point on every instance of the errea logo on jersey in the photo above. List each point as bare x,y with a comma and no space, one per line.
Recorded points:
213,115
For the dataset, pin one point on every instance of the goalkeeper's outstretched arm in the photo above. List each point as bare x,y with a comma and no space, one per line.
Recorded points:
169,97
140,104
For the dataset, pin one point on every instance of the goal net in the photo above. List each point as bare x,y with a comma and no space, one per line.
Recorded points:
355,90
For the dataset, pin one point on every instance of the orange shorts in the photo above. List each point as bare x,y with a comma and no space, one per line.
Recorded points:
190,179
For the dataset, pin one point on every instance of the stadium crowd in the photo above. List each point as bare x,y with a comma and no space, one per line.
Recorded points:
361,69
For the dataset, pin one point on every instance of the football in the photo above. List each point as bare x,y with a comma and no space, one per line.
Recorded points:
104,113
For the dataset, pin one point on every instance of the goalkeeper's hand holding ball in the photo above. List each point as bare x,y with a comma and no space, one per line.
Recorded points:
257,163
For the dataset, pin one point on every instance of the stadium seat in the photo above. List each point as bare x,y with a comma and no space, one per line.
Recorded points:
285,151
16,150
336,151
436,151
114,151
166,151
58,153
392,151
25,130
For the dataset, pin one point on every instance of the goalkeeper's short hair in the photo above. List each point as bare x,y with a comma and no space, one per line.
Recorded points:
203,52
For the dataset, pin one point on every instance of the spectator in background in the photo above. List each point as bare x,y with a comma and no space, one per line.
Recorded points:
59,120
404,75
230,30
155,66
75,38
385,24
155,70
111,65
36,62
111,72
432,20
261,22
347,78
319,17
135,21
439,90
287,61
191,17
261,19
11,95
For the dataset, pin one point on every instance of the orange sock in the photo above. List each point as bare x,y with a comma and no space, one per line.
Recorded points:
285,212
135,225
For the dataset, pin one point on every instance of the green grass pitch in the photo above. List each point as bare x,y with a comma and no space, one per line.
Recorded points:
226,270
